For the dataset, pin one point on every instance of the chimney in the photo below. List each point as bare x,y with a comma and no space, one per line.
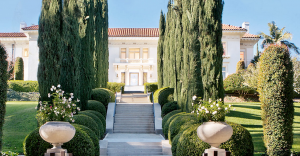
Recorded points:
246,26
22,25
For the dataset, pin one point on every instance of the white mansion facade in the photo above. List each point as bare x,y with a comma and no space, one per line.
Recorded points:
132,51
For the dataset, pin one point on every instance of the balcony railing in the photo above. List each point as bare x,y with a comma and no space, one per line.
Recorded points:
127,60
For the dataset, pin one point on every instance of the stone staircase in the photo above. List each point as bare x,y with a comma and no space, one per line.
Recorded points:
134,118
132,131
134,148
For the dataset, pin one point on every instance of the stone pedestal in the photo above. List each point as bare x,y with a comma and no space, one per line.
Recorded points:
211,151
57,152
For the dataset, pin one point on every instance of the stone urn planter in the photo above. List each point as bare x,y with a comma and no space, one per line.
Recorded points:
214,133
57,133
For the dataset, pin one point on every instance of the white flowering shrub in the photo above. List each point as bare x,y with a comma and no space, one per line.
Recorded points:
62,108
210,110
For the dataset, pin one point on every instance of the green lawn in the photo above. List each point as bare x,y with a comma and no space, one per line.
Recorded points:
19,122
249,115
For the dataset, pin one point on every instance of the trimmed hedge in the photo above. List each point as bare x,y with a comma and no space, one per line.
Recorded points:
100,116
23,86
96,106
92,135
190,144
100,95
19,69
157,93
115,87
240,142
240,66
164,96
81,144
112,95
167,123
177,123
96,119
88,122
166,117
151,97
169,107
234,84
152,87
186,142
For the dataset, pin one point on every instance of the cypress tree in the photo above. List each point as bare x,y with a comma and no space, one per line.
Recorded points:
160,52
166,58
210,25
3,88
105,43
98,55
172,49
49,42
179,50
85,73
275,87
71,46
19,69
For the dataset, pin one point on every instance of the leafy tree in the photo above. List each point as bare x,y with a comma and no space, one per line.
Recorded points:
240,66
50,22
296,67
275,86
250,76
160,52
3,88
19,69
278,36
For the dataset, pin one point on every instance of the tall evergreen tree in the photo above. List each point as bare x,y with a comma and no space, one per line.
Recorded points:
71,46
85,73
19,69
160,52
166,58
172,48
98,55
3,88
49,42
211,48
105,43
179,43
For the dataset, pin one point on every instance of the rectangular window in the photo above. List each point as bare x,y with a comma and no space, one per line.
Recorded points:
145,55
134,53
224,72
242,56
224,48
123,55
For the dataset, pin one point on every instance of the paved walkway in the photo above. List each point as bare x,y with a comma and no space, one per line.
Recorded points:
133,131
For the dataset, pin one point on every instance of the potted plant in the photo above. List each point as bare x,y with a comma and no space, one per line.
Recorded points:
56,115
214,129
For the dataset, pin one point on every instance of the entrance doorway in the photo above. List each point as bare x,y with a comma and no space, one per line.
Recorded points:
134,79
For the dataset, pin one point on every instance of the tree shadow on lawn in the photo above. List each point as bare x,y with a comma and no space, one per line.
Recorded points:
244,115
249,106
253,126
258,142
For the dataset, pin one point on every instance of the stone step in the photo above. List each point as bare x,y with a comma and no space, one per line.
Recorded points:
134,144
134,151
134,124
133,131
133,127
134,118
134,114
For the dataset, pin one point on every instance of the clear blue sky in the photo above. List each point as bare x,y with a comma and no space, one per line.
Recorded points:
145,14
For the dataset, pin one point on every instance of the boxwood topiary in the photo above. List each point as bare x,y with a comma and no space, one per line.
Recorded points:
96,106
98,121
178,121
167,123
111,93
88,122
152,87
81,144
157,93
163,97
34,145
115,87
169,107
190,144
100,95
240,142
166,117
92,135
101,117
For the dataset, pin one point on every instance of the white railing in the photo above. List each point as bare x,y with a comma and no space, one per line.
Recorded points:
127,60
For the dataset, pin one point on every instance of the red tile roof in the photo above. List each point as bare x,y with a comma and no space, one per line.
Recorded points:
247,35
231,27
150,32
133,32
12,35
33,27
